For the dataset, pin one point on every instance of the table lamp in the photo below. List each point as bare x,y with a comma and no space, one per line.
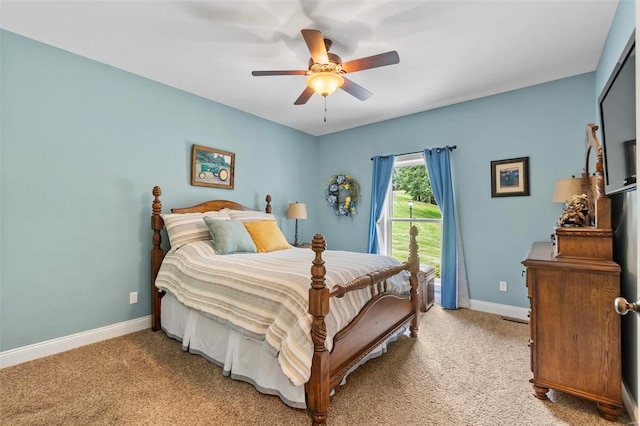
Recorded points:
297,211
567,188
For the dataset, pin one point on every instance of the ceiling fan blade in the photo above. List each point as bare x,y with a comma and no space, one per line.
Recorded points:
293,72
356,90
316,46
381,60
304,97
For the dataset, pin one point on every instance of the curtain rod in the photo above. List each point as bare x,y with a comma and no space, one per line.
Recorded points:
451,148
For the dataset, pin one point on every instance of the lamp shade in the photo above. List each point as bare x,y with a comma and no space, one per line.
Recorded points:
297,211
325,83
567,188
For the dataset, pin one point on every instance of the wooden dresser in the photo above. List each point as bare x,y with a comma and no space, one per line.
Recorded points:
575,331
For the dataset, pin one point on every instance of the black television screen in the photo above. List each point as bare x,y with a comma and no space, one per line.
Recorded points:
618,123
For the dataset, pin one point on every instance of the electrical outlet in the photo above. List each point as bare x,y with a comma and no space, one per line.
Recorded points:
133,297
503,286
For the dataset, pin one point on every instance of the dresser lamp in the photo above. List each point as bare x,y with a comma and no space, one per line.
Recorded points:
567,188
297,211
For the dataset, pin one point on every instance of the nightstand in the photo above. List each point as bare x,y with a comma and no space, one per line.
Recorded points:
303,245
426,278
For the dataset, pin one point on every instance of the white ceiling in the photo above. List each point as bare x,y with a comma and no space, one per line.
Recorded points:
450,51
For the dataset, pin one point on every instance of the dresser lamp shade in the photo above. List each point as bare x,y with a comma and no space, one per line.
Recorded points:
297,211
567,188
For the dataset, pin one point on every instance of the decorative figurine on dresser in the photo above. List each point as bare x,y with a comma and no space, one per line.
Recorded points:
575,330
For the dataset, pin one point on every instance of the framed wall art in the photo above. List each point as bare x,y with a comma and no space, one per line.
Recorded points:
510,178
212,167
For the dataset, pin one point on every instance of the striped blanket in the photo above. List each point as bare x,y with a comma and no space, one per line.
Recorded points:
265,296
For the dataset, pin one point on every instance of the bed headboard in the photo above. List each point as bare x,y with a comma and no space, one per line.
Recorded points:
215,205
157,254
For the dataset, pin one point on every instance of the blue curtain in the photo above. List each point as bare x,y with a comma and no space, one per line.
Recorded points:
439,170
382,172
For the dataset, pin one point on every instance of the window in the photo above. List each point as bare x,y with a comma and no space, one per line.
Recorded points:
411,202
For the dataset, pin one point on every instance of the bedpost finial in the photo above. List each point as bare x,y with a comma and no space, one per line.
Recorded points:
318,270
156,206
268,200
414,259
413,231
318,244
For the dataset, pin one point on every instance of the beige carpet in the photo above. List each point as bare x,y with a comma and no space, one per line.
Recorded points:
466,368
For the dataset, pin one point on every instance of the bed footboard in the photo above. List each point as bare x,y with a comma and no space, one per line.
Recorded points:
381,317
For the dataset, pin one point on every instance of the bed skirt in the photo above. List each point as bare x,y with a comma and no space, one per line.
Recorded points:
239,357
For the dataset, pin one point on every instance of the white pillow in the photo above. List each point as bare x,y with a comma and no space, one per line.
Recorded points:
184,228
248,215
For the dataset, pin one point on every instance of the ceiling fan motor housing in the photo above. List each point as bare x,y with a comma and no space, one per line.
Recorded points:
335,64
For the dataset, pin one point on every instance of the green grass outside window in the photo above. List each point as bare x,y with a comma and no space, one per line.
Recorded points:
429,240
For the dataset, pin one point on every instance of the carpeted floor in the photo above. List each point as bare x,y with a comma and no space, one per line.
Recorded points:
466,368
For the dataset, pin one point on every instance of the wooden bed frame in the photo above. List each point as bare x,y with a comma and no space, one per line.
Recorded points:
379,319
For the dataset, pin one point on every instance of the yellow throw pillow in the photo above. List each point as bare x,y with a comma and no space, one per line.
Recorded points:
266,235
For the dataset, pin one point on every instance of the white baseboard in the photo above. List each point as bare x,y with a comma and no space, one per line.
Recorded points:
489,307
498,309
630,406
54,346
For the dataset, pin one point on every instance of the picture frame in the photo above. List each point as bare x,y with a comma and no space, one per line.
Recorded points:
212,167
510,177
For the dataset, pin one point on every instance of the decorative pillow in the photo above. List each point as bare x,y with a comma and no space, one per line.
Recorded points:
229,236
184,228
266,235
249,215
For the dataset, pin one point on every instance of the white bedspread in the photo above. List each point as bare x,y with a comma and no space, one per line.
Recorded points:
264,296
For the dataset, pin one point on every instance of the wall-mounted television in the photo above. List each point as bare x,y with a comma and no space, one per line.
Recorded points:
618,123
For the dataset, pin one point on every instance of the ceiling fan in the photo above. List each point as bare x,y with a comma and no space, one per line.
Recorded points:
326,70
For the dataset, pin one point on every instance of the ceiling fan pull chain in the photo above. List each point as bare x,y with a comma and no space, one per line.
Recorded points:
325,109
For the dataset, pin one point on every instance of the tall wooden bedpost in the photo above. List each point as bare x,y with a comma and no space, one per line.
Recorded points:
414,261
317,388
156,257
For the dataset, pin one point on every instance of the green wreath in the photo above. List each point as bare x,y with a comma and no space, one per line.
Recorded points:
343,195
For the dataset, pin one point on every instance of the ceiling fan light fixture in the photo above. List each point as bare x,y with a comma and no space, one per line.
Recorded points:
325,83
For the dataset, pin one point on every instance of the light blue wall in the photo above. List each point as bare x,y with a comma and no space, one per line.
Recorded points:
82,146
545,123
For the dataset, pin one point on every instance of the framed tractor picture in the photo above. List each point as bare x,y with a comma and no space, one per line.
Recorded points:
212,167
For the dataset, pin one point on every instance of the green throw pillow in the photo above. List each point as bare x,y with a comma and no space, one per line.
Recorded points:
230,236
